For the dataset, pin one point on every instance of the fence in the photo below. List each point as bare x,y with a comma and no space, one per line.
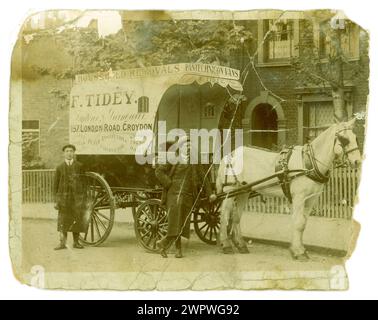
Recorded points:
37,186
336,201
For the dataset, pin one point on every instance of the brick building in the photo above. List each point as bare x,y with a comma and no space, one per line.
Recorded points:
297,113
44,113
288,114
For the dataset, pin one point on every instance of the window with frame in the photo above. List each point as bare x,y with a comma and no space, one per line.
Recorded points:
208,111
30,140
143,104
349,37
280,40
317,116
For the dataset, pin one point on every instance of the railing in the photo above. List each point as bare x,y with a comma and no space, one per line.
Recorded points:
37,186
336,201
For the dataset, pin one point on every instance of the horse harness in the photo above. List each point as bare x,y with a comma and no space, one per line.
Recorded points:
344,142
237,181
282,164
311,169
310,164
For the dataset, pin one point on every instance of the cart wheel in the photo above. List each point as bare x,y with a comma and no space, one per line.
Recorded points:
100,207
150,223
207,222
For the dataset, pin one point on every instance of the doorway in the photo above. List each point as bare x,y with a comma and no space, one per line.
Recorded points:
264,126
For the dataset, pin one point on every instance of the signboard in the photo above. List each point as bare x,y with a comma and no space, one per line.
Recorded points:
107,109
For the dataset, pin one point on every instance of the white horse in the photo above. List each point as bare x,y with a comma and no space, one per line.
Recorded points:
250,164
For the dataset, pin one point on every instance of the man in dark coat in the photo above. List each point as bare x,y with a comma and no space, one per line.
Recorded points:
70,198
182,182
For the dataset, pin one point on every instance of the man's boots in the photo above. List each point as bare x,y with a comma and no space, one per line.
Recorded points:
63,241
178,248
76,244
164,244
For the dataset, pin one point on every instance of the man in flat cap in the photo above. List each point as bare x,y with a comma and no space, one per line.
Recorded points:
182,182
69,197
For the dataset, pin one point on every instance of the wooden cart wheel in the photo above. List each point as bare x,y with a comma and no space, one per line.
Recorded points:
150,223
100,209
207,221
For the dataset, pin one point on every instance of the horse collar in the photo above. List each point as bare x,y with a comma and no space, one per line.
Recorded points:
312,166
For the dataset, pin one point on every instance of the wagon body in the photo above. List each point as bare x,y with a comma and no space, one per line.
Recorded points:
107,113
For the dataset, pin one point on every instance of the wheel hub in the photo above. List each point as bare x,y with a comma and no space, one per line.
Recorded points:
154,225
211,220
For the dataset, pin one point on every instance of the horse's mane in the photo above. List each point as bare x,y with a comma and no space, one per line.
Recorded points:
326,132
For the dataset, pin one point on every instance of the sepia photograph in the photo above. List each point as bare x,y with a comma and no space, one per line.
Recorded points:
186,150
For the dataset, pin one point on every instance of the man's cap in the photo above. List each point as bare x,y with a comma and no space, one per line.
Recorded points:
69,146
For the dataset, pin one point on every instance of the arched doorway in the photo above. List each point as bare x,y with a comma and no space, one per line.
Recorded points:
264,122
264,126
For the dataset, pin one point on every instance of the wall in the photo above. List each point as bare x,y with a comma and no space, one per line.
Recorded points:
38,103
320,232
38,99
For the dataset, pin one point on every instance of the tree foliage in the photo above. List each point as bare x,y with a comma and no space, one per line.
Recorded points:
312,67
327,61
146,43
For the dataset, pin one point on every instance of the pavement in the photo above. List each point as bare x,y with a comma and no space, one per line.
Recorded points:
47,211
121,253
122,263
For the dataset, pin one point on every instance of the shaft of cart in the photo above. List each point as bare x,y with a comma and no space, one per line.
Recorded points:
250,187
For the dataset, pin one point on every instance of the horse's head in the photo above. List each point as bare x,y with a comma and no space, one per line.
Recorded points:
346,147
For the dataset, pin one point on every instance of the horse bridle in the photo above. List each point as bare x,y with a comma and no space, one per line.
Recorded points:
315,173
343,143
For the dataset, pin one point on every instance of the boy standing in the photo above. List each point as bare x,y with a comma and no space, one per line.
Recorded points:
69,197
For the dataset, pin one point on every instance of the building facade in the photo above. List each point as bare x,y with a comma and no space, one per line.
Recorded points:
277,110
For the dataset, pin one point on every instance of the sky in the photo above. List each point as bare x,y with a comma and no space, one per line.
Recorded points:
109,21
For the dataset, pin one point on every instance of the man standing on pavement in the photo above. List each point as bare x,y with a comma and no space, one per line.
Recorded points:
69,198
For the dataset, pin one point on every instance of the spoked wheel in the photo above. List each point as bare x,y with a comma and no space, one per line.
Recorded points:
150,223
207,222
100,208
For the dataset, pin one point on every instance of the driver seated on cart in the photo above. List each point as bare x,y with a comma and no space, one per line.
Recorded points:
181,182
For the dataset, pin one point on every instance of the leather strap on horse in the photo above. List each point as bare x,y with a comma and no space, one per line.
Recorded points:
311,165
226,183
282,164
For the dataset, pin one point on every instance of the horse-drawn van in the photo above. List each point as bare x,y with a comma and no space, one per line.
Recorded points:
109,111
115,122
